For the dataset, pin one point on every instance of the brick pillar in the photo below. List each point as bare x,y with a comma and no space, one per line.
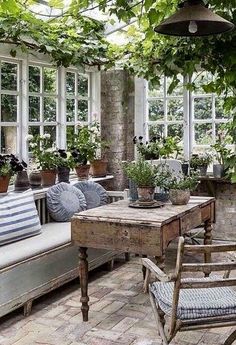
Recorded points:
117,121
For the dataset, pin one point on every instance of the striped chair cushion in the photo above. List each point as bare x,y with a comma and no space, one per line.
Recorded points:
195,303
18,217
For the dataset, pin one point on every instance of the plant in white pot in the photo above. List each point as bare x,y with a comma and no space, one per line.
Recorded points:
144,175
180,188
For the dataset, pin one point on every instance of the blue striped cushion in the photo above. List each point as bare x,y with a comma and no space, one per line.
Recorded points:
18,217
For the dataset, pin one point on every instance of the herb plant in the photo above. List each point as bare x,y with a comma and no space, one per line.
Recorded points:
141,172
43,151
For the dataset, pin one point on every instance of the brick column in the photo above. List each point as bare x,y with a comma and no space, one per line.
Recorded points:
117,121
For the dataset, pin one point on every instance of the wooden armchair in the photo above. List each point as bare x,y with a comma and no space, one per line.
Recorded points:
182,304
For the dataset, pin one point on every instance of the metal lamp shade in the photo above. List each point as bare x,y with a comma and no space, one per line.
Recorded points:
203,21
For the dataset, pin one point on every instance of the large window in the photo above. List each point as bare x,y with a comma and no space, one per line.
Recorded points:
38,98
10,106
195,117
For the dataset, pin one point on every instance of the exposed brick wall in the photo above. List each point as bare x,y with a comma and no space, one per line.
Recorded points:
117,121
225,194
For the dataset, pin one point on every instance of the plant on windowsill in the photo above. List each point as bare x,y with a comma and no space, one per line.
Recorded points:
158,147
45,156
9,166
65,163
223,156
200,162
180,188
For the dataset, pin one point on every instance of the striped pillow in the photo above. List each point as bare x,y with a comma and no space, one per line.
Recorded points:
18,217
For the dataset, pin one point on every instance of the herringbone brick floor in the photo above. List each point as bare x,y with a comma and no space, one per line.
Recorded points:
120,314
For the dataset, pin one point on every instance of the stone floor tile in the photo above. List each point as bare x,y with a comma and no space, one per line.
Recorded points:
124,324
113,307
110,321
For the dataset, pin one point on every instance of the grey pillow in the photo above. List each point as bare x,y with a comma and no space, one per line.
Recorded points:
63,201
94,193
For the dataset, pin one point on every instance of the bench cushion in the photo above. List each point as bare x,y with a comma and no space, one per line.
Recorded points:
95,194
63,201
53,235
18,217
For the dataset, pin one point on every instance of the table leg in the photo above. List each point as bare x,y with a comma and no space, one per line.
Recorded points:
83,273
144,268
208,238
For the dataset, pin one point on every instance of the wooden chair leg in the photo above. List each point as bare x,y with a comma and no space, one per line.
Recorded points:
159,317
28,308
231,338
110,265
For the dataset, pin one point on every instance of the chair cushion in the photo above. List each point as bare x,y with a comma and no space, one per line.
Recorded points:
18,217
195,303
63,201
52,236
94,193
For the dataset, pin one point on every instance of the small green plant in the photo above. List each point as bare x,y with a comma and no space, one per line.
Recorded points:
87,144
64,159
141,172
199,160
222,153
43,152
158,147
183,182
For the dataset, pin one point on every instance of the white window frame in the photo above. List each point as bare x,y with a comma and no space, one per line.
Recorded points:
23,93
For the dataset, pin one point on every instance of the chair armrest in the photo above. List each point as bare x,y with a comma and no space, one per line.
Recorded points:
159,274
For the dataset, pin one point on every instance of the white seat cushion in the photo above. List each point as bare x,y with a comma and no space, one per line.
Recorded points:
53,235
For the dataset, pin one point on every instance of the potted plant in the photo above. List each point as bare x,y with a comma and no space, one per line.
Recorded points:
65,163
83,149
45,155
222,154
143,174
180,188
158,147
201,162
5,172
22,179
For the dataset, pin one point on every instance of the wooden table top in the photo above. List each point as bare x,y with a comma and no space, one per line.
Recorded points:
119,212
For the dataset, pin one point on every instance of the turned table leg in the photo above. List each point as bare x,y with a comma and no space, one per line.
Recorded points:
208,239
83,273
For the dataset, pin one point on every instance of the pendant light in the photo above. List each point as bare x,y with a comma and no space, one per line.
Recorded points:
194,19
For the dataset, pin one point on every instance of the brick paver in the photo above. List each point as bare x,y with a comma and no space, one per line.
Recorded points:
120,314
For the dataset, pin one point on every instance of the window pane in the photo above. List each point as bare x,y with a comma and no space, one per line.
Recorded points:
83,110
178,89
70,130
34,108
70,110
200,79
82,85
52,131
9,108
156,110
175,109
70,83
221,128
34,79
157,91
34,130
203,133
50,109
49,80
8,139
203,108
8,76
175,130
155,130
220,113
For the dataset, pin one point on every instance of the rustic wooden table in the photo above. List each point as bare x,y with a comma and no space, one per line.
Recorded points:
144,231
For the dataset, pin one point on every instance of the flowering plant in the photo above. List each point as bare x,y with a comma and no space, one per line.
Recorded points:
10,165
86,144
43,151
64,159
158,147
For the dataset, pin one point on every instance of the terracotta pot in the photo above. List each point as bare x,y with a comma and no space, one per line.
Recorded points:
35,179
4,183
63,174
179,197
98,168
48,177
146,194
82,171
22,181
